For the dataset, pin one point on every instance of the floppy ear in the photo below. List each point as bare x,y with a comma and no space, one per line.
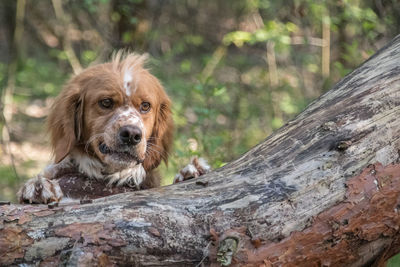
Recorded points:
65,121
161,138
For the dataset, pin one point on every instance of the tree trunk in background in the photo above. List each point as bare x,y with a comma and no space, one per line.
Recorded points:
322,190
12,65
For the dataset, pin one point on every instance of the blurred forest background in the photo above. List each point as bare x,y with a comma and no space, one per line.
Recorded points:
236,70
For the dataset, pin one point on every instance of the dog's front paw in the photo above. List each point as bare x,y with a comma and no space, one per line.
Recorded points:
196,168
40,190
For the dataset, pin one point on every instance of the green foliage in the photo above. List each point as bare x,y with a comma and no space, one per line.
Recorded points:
394,262
9,181
275,31
38,79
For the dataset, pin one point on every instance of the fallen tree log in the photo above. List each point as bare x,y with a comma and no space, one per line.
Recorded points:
323,190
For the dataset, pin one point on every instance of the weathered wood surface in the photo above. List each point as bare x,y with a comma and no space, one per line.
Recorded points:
322,190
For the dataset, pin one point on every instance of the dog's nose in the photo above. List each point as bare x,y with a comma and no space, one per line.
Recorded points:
130,135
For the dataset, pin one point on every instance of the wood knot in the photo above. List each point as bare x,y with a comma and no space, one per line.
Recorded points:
343,145
226,249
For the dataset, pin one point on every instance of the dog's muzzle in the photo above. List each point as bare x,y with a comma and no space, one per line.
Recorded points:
129,135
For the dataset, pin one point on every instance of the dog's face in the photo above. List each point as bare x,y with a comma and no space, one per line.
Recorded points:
117,113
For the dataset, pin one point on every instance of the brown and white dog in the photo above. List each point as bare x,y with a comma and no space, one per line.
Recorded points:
111,122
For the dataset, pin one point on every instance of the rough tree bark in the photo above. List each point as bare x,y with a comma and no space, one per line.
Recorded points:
322,190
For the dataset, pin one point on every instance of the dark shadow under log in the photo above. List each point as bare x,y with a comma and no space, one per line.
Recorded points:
322,190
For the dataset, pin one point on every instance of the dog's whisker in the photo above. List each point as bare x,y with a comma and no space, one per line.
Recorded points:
155,148
164,154
154,145
153,138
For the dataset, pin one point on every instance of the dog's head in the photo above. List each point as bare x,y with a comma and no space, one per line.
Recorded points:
116,112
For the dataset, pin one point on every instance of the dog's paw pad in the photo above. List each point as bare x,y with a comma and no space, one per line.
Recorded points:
196,168
40,190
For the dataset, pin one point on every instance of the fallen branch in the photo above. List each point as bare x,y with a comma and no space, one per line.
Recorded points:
322,190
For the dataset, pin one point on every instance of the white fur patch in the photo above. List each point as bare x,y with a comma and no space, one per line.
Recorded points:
52,169
204,164
190,168
178,178
87,165
132,176
196,168
129,116
128,82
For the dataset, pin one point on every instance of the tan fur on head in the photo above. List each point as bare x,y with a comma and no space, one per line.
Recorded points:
80,125
65,121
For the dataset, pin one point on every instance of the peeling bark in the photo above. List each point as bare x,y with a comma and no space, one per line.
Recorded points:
324,190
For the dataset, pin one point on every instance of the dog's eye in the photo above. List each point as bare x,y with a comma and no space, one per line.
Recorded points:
144,107
106,103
